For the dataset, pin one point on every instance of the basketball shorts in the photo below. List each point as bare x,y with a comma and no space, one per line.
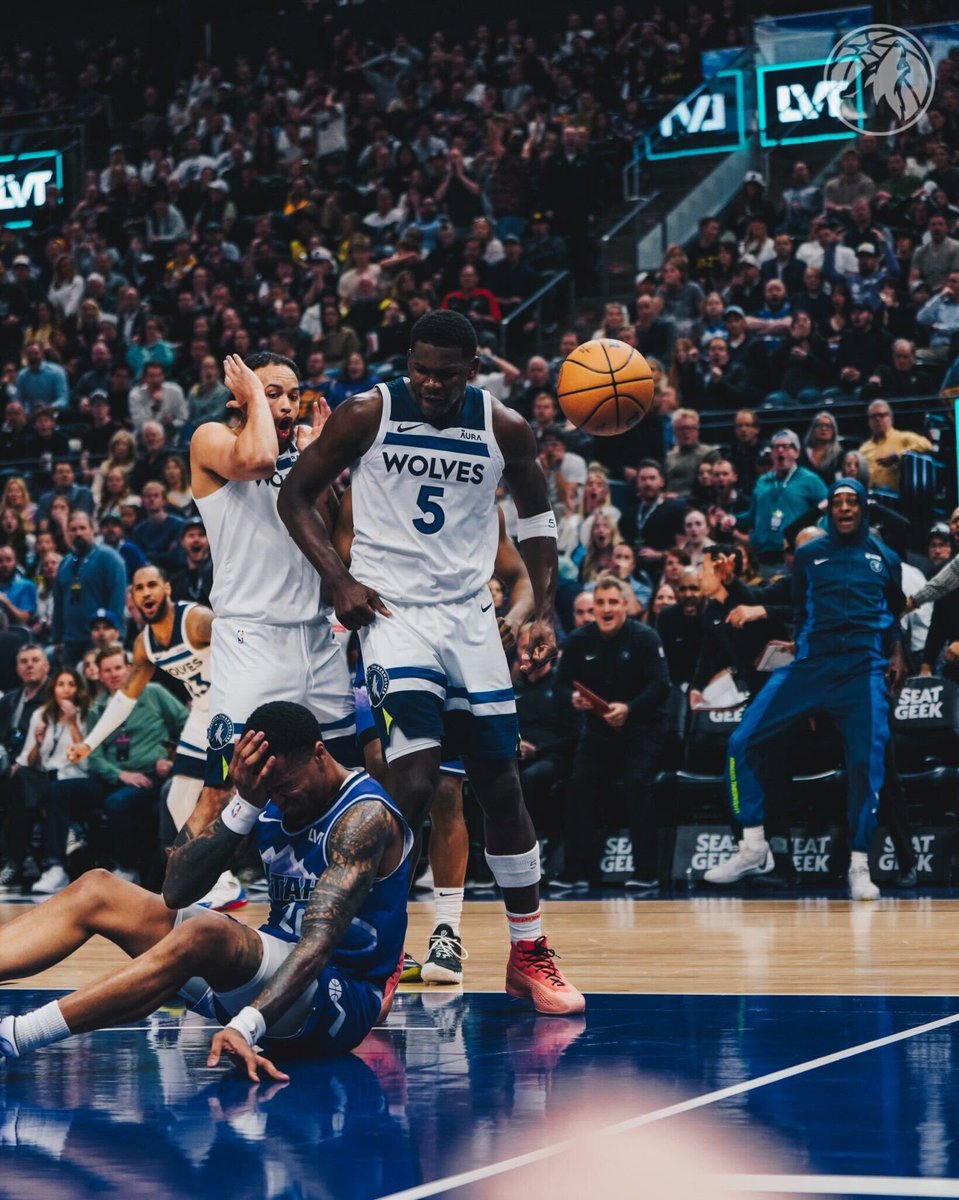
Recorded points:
437,676
190,757
333,1015
254,664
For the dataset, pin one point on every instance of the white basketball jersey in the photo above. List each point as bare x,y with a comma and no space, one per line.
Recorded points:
424,502
259,573
181,659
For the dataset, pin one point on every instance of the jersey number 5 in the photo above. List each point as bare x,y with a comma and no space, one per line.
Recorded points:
433,517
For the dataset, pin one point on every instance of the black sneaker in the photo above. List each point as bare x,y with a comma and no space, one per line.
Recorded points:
9,876
559,884
641,885
905,879
444,962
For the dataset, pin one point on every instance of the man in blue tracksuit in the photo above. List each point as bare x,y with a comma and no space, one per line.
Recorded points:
847,595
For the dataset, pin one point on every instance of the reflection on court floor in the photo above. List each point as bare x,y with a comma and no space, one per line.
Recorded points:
465,1094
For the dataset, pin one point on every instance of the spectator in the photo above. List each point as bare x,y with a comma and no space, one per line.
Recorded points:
751,202
569,191
934,261
883,451
90,577
725,383
683,460
113,534
208,397
512,281
813,299
535,380
355,379
156,399
622,661
54,727
149,465
696,536
475,302
905,378
746,292
638,583
823,235
41,384
822,450
65,485
98,435
17,707
940,315
18,595
849,185
337,341
583,611
865,285
158,534
787,493
66,288
656,525
800,203
126,772
681,302
802,364
195,580
862,348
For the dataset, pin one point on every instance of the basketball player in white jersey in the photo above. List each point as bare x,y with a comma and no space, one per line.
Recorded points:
176,640
426,455
272,638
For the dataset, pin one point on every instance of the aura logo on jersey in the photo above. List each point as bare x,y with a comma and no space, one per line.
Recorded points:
377,683
419,466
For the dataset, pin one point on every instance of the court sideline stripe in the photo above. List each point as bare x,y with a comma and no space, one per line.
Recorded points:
673,1110
839,1185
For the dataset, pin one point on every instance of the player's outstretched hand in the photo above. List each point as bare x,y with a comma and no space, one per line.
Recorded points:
232,1042
357,605
250,767
244,384
541,647
320,413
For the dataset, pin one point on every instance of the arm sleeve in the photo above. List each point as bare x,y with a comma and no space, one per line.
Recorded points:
118,709
799,590
947,580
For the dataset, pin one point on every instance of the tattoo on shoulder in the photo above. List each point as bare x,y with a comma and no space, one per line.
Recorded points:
361,835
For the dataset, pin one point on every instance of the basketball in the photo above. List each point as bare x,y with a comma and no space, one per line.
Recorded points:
605,387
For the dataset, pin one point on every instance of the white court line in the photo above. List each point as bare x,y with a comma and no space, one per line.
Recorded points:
838,1185
673,1110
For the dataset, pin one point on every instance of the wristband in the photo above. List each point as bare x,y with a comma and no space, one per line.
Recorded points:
249,1024
240,816
542,525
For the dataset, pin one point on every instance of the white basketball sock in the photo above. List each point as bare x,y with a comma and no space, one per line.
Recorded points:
41,1027
448,905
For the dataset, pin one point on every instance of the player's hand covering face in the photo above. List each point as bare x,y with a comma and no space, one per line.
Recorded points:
319,415
251,767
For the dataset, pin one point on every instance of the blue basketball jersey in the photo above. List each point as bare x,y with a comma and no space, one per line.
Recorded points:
293,862
425,528
181,659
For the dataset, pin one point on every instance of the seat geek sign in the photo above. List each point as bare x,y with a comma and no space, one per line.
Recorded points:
798,105
24,181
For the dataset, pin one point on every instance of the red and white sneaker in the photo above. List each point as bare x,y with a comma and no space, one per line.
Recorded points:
389,990
532,974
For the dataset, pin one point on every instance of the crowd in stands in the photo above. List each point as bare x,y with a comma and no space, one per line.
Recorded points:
318,211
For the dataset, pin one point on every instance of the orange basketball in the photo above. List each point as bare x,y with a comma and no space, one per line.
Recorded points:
605,387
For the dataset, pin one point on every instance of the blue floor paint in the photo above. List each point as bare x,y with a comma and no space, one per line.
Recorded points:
455,1082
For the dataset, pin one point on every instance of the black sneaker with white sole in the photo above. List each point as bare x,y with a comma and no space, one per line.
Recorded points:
444,962
559,884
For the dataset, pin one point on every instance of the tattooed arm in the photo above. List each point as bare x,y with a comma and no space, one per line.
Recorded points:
359,843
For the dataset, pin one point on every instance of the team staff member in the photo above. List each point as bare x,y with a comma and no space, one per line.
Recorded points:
623,662
847,594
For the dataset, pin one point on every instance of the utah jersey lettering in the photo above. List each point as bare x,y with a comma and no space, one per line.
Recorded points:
293,863
255,578
181,660
424,502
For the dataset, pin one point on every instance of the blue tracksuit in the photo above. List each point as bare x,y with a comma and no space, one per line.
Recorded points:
847,593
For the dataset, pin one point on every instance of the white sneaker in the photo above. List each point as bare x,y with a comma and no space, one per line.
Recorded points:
126,876
748,860
225,895
861,886
53,879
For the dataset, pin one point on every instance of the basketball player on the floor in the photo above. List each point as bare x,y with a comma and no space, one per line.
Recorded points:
426,455
449,838
176,640
272,638
320,972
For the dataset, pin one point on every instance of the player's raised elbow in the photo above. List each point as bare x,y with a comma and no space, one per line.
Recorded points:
254,466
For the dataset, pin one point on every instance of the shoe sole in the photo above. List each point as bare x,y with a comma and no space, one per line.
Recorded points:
761,870
412,975
433,973
232,905
545,1000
